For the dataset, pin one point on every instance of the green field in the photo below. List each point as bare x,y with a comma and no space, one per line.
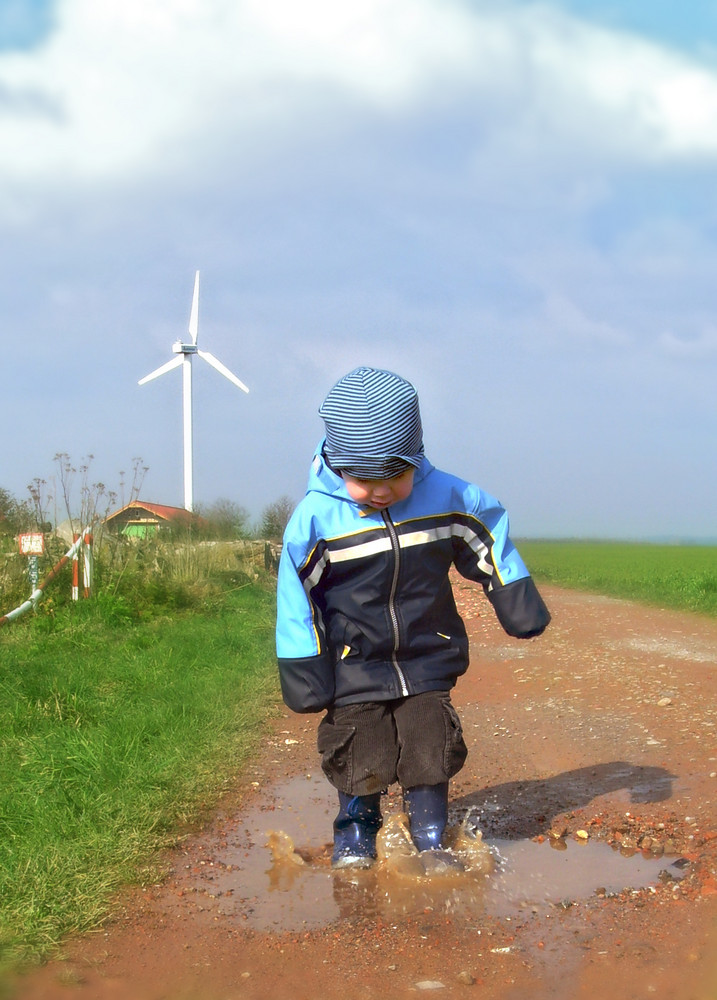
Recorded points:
683,577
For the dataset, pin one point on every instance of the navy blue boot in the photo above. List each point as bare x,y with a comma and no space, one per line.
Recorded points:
427,808
355,828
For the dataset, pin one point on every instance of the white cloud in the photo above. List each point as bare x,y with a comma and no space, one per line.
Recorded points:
703,346
118,80
122,82
567,323
616,90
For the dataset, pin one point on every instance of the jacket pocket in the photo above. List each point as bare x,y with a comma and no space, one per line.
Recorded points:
345,638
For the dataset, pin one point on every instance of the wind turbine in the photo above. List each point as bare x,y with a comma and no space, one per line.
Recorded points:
185,352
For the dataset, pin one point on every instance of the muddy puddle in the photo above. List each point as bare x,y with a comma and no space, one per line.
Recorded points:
275,875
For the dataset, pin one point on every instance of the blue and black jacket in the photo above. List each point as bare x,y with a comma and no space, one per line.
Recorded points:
365,606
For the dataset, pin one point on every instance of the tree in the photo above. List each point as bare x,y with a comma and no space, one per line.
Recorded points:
14,515
225,518
275,517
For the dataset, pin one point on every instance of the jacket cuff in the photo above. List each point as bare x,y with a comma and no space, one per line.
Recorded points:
520,609
307,683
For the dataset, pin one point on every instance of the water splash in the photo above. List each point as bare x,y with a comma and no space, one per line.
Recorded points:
283,880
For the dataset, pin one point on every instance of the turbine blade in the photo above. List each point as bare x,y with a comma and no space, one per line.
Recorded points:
174,363
194,315
222,369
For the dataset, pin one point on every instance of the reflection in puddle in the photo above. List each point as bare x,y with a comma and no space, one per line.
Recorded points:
272,886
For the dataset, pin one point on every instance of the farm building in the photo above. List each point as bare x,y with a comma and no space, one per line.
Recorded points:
138,519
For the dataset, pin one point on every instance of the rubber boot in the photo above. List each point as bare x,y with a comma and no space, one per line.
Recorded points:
355,828
427,808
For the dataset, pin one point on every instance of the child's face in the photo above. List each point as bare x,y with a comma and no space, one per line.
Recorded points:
380,493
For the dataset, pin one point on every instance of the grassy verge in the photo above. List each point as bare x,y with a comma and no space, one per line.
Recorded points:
683,577
116,734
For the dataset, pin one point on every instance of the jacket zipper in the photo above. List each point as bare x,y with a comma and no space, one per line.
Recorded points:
392,601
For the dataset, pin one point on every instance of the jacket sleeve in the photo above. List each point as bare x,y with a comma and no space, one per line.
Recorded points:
305,668
488,556
520,609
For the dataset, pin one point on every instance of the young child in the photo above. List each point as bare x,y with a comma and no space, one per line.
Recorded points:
367,627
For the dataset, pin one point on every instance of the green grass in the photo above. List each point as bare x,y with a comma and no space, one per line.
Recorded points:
117,734
683,577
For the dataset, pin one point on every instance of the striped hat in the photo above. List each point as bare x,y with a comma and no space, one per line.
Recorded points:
373,424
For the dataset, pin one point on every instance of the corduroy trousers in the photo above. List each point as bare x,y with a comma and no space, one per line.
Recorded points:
414,741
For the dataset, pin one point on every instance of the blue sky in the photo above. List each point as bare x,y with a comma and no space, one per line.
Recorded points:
513,204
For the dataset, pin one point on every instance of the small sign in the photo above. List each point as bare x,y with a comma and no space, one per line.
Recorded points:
32,544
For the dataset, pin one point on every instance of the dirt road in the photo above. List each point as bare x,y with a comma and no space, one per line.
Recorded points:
593,776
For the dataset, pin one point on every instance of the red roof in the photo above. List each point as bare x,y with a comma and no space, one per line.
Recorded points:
159,510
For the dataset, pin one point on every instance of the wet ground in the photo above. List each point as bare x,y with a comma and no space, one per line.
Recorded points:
592,778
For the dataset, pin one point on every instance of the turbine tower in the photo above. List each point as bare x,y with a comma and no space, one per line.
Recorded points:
185,352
